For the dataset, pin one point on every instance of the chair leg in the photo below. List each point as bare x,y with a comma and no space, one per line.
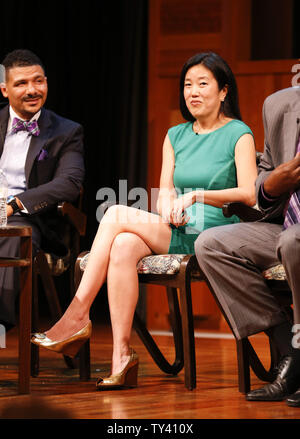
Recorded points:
258,368
84,362
35,326
49,286
188,334
275,358
25,306
247,358
151,345
51,295
84,353
242,348
176,323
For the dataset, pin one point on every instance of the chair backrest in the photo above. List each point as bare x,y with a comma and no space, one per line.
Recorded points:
258,157
71,227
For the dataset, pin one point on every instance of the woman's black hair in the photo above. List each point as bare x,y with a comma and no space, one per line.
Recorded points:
224,77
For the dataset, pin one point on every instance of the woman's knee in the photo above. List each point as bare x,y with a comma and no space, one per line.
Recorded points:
124,248
116,214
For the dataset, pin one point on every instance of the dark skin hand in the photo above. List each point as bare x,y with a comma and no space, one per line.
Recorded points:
9,209
284,179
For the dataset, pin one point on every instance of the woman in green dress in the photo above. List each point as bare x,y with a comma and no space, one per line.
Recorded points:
207,161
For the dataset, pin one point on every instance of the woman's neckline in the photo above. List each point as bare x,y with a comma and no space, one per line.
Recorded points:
210,132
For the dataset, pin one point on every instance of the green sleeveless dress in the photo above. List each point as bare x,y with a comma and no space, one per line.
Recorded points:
203,161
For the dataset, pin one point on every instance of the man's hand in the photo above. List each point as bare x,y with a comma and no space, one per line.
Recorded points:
285,178
9,209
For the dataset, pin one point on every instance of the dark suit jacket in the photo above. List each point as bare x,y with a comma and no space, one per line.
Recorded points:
54,170
281,117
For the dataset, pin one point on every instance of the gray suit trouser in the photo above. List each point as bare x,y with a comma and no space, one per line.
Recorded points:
9,277
232,258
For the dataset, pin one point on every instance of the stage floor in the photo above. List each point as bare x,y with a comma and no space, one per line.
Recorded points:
58,392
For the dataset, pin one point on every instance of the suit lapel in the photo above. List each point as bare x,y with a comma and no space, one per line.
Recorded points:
38,142
291,130
4,114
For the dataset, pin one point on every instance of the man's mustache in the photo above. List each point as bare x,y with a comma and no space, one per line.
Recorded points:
30,96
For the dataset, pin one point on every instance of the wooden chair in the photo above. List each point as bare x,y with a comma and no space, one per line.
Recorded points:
47,267
24,265
276,279
175,272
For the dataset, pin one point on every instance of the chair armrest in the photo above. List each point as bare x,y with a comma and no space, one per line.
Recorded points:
244,212
74,215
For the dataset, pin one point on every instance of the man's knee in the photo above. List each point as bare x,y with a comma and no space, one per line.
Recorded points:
216,237
206,241
227,239
288,241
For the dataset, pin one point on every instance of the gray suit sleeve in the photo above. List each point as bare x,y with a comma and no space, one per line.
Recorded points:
266,165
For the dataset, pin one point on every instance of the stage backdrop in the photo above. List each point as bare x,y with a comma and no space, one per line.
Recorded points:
95,54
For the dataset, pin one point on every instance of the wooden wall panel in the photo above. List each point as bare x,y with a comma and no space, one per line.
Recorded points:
256,80
177,30
187,17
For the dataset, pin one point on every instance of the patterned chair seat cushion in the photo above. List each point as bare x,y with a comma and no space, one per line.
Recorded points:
170,264
160,264
275,273
155,264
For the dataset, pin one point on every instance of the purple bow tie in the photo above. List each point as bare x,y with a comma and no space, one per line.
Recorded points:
21,125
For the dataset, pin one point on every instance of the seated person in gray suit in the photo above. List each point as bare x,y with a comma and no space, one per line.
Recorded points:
233,256
41,155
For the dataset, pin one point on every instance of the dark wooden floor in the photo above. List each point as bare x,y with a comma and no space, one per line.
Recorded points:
58,393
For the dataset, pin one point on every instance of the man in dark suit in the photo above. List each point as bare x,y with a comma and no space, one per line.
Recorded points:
41,155
233,257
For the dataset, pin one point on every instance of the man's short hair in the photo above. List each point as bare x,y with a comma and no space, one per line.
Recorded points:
21,58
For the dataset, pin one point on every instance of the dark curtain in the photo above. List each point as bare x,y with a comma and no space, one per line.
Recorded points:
275,29
95,55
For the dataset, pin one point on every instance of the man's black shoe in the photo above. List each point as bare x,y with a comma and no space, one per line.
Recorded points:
294,399
287,382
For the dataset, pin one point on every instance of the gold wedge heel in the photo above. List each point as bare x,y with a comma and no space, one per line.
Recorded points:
126,378
70,346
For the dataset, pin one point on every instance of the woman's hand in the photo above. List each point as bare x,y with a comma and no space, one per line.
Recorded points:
177,215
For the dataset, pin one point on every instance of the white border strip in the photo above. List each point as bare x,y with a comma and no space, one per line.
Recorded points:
2,73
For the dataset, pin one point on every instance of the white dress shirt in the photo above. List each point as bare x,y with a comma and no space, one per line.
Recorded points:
14,155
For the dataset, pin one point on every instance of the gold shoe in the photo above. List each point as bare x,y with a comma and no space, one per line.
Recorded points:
126,378
70,346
